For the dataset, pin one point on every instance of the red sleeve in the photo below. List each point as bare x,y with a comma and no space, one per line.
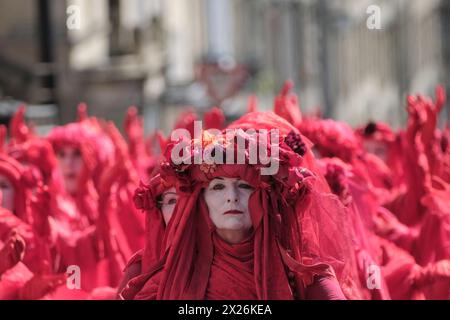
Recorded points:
324,288
131,271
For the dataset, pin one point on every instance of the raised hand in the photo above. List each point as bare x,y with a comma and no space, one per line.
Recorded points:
40,205
434,272
134,125
286,105
12,252
18,128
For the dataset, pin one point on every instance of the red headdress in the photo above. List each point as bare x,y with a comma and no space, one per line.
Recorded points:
331,138
214,119
378,131
87,136
97,152
186,121
298,141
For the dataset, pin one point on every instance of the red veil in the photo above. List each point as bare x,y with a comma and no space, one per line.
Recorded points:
145,198
141,263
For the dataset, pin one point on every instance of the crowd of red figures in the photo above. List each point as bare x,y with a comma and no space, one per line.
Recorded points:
368,208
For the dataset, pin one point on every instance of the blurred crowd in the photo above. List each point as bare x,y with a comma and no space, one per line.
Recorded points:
80,197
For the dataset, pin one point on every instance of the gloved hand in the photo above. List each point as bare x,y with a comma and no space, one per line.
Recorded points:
12,252
40,285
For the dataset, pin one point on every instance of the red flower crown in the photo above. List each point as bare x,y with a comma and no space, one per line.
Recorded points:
289,181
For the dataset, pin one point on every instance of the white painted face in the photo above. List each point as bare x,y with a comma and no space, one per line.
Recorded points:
70,162
168,201
377,148
227,201
7,190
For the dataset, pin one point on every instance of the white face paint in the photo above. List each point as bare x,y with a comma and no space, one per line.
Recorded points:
70,163
227,201
377,148
168,201
7,190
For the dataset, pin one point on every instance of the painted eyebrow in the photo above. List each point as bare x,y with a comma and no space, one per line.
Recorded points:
167,193
237,180
216,180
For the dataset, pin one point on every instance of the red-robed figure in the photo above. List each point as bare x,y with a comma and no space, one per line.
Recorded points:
238,234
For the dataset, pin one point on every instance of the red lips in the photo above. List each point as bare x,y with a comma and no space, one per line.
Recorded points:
234,212
70,176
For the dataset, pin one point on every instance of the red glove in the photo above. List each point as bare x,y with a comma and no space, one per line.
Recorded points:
18,128
40,206
286,105
12,252
388,227
40,285
438,271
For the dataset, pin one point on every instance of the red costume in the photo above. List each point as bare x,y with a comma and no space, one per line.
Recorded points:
193,250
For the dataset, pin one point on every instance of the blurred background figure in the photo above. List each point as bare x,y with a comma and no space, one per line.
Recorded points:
162,55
